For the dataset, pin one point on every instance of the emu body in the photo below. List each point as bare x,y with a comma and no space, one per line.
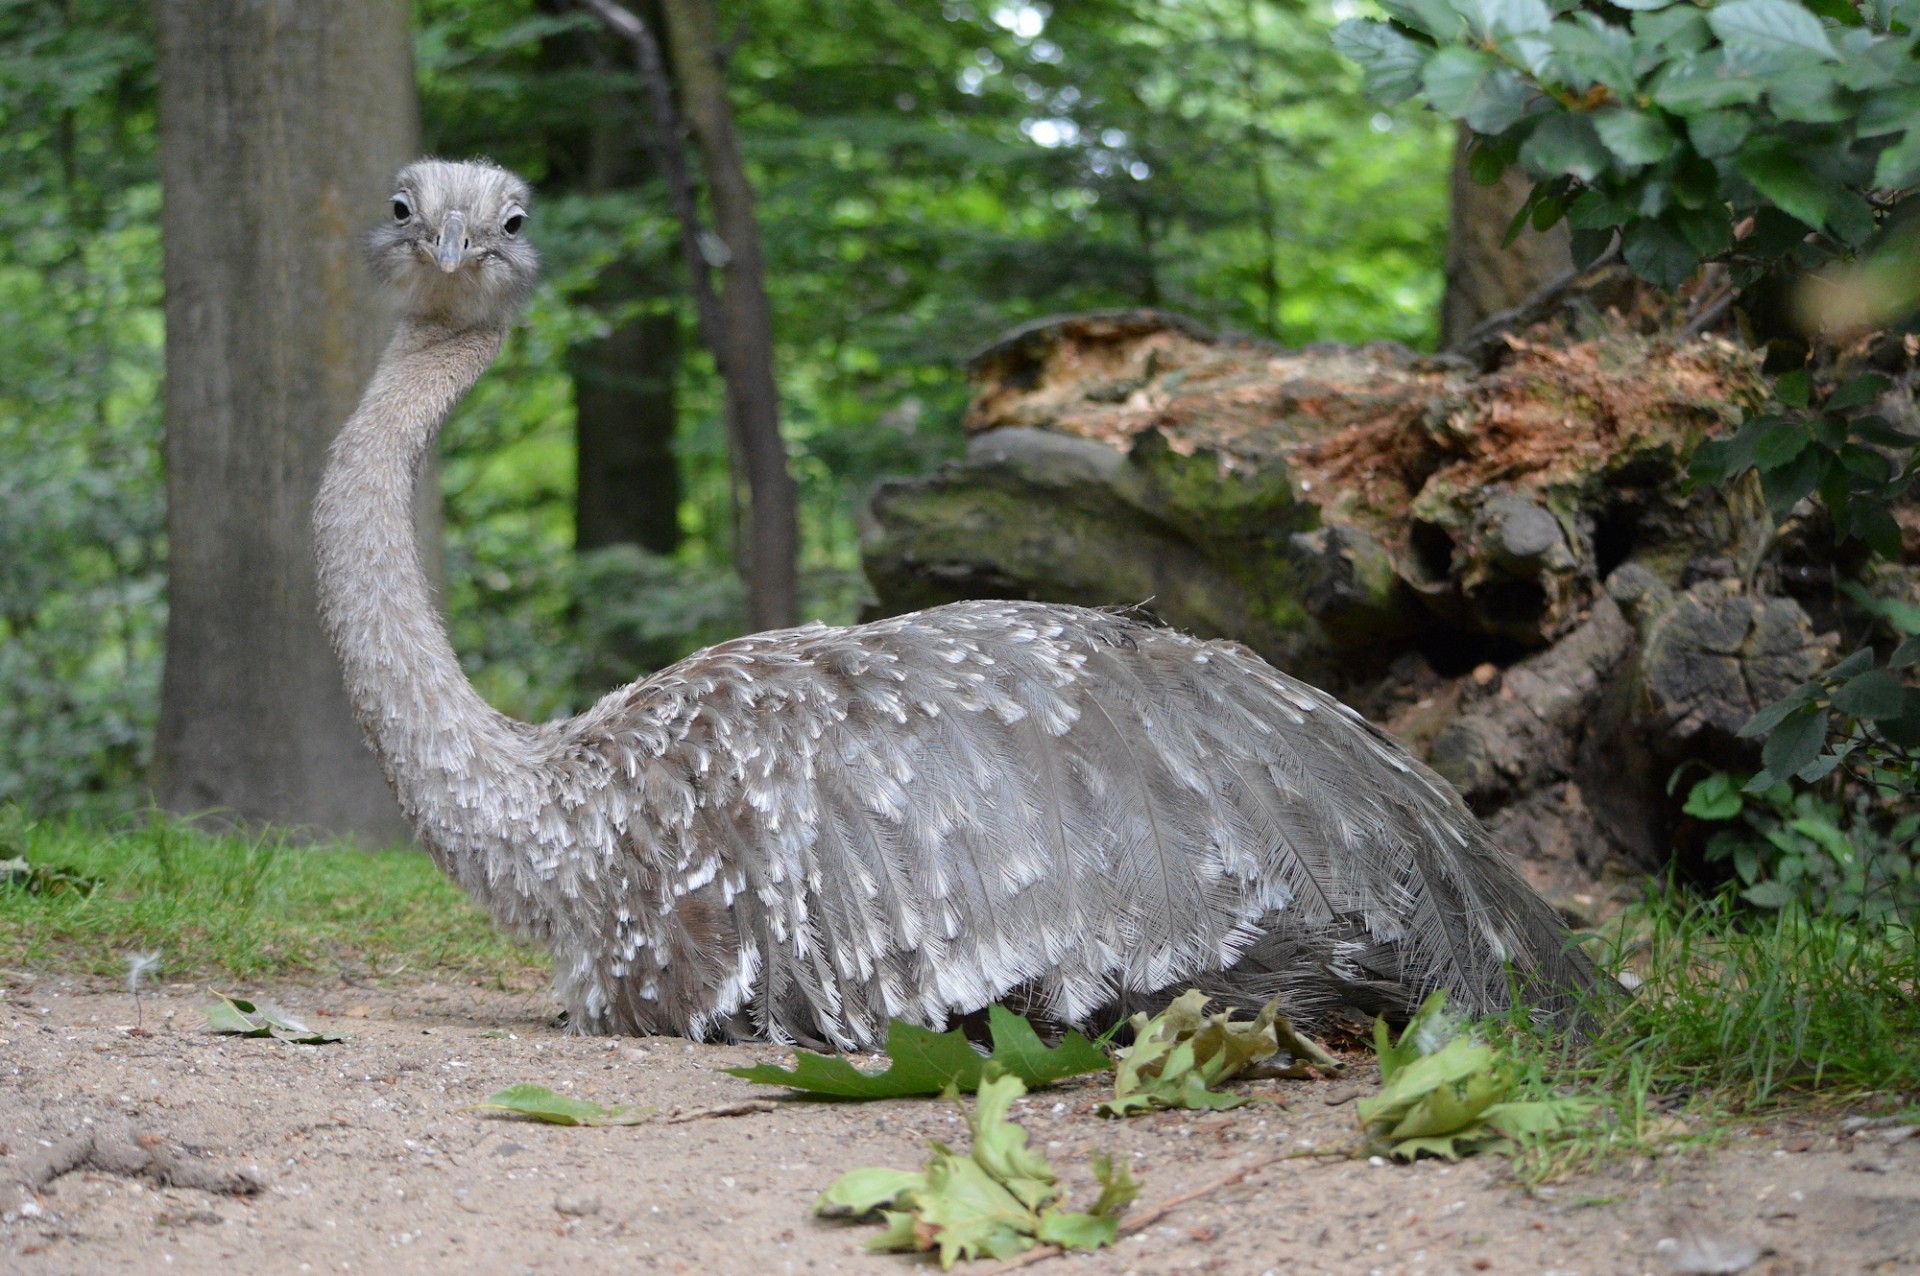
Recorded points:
800,834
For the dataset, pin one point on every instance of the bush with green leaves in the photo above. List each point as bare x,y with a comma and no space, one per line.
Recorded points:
1672,123
1851,857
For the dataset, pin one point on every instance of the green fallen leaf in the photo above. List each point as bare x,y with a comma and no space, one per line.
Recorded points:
232,1017
1181,1056
926,1062
1445,1094
537,1103
997,1201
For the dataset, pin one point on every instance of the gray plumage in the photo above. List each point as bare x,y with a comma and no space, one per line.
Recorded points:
801,834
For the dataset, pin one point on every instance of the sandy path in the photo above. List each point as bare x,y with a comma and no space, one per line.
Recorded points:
371,1162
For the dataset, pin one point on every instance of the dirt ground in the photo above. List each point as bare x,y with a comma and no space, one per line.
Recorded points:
369,1159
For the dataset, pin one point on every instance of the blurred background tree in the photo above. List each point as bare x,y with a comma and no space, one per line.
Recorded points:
927,176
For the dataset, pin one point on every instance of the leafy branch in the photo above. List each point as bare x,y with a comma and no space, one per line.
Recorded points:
1755,132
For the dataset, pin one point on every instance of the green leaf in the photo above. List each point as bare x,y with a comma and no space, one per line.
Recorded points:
1873,694
1659,254
1880,432
1467,85
1795,389
1859,392
1774,714
1635,137
1181,1056
926,1062
1899,164
1703,83
1436,18
1780,444
1444,1094
1792,483
997,1201
1117,1186
1769,35
858,1193
1677,31
1000,1145
1716,134
1078,1231
1906,654
1391,61
1595,210
1808,95
1591,51
233,1017
537,1103
1780,172
1715,798
1768,894
1796,741
1875,525
1565,145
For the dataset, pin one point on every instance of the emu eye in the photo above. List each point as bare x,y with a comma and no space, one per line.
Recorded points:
401,209
513,223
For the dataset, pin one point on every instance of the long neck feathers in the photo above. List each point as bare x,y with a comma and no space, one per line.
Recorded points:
432,731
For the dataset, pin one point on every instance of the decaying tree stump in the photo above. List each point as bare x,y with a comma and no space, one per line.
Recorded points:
1508,568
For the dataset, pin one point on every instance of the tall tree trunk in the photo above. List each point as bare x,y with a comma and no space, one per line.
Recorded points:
280,123
773,537
1484,276
624,408
625,411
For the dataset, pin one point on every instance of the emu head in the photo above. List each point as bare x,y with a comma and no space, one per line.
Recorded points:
452,244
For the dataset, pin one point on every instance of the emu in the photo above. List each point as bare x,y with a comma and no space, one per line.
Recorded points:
800,834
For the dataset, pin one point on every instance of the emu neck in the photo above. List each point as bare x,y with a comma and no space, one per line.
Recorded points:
433,733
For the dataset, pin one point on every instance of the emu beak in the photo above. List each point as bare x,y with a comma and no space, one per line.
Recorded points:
452,245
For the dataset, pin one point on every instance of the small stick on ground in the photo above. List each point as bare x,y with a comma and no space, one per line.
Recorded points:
131,1155
742,1108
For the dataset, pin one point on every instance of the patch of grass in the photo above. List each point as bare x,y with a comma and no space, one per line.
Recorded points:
243,905
1736,1011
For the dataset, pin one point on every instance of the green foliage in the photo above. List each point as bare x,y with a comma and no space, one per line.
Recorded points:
1180,1057
537,1103
240,906
1445,1094
1852,852
998,1201
1855,859
81,549
1672,123
232,1017
1856,461
1732,1009
926,1062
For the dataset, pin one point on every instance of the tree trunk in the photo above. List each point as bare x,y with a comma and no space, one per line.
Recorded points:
281,122
773,536
1484,276
623,393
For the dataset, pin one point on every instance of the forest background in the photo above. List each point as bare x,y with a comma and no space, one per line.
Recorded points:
927,176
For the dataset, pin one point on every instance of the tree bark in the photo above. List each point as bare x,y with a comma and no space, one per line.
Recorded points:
1484,275
773,537
736,325
625,408
623,393
280,124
